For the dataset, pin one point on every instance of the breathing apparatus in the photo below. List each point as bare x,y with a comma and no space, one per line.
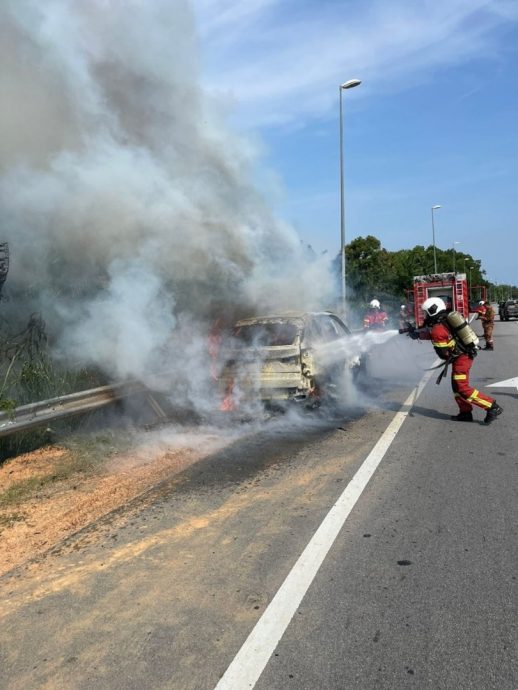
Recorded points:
464,336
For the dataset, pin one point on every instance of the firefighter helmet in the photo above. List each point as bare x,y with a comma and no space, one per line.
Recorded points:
374,304
481,302
433,306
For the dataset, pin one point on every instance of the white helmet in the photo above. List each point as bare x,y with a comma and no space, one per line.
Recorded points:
481,302
403,306
374,304
433,305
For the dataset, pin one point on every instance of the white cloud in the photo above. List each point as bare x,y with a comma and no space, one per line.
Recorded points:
280,60
229,15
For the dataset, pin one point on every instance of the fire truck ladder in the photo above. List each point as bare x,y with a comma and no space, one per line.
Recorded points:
461,297
420,298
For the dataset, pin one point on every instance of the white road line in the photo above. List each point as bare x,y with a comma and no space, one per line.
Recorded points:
249,662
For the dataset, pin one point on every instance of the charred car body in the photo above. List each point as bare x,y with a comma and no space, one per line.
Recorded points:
294,356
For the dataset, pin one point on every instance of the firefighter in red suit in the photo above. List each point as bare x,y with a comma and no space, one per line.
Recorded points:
480,308
449,349
375,319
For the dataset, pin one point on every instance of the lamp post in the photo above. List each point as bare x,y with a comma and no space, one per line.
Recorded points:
346,85
434,208
454,258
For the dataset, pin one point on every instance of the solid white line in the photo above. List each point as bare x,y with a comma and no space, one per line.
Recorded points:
249,662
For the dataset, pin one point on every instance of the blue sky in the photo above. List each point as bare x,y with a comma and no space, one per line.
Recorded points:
435,120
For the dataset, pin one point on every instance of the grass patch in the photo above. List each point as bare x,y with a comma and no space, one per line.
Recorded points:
85,456
10,519
28,488
90,450
88,453
23,442
22,490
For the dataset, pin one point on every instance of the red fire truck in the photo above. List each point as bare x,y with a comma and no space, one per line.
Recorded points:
450,287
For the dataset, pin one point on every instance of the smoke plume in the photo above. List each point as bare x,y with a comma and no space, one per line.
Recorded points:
125,199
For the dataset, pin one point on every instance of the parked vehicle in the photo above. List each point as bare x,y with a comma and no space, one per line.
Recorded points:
508,310
296,356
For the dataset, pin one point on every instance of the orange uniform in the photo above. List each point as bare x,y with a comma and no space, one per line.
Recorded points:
375,319
445,346
487,316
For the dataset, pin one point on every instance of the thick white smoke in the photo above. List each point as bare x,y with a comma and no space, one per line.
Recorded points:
126,201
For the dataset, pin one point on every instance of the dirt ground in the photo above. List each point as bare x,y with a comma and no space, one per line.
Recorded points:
51,493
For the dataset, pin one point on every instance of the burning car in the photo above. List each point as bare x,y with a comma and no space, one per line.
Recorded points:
294,356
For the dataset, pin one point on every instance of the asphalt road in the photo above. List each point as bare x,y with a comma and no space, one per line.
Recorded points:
417,590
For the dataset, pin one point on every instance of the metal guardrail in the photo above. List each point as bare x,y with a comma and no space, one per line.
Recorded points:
36,414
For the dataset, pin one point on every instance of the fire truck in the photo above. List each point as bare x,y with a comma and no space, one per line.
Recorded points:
452,288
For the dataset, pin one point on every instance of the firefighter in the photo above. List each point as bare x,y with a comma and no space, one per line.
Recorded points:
487,316
375,319
454,352
480,308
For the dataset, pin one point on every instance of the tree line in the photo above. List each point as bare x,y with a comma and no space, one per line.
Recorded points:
372,271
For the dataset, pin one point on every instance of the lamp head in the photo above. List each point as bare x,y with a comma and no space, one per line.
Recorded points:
437,206
350,84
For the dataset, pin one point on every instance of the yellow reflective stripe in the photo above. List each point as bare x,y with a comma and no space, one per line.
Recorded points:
483,403
473,395
460,377
443,343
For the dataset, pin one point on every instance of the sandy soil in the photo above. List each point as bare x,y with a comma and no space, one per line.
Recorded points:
58,508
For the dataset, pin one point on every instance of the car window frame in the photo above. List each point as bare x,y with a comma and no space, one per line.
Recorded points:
312,334
340,325
328,323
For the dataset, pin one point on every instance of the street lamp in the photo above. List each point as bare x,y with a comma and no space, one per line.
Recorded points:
433,238
454,257
346,85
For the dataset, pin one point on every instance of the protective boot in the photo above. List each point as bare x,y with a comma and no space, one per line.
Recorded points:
463,417
488,347
493,413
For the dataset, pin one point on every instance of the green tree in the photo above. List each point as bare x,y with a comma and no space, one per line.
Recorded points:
372,271
369,268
